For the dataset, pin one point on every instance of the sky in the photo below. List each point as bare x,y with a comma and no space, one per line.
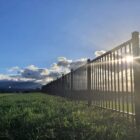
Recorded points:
37,35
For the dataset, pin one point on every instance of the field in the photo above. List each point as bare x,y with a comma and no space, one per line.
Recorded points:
37,116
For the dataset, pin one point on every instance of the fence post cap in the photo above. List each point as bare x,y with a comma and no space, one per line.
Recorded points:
88,60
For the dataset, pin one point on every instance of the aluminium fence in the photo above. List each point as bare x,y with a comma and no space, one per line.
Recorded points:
110,81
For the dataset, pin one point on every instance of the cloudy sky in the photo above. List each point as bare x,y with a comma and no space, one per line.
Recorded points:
33,73
41,39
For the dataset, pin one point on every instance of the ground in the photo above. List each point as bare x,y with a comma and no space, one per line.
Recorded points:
38,116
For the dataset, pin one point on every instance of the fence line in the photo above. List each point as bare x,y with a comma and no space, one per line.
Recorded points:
110,81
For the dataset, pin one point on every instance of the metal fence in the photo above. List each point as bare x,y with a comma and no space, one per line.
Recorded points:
110,81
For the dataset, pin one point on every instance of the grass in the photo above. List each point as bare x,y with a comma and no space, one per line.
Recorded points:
38,116
123,107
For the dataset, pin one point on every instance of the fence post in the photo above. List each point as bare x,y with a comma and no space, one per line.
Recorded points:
89,82
71,80
136,67
71,83
62,85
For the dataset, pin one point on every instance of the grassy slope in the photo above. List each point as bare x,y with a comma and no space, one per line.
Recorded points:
38,117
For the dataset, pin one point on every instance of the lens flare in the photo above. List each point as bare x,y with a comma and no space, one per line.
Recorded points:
129,59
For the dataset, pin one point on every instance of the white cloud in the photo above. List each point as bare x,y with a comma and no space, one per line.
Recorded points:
64,65
63,61
43,75
78,63
14,69
32,67
4,77
98,53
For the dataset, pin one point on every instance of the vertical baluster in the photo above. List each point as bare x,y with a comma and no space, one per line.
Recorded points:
118,78
105,63
95,67
98,83
89,82
104,100
114,67
100,88
126,78
111,80
108,77
131,81
122,80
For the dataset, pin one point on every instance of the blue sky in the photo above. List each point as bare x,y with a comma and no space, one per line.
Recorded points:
37,32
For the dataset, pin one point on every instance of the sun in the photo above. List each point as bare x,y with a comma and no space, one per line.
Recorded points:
129,59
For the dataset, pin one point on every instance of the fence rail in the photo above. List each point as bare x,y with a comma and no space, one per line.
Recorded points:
110,81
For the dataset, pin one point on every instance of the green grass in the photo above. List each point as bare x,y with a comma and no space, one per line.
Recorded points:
6,94
123,107
38,116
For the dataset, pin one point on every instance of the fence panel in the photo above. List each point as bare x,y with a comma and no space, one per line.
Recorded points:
110,81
